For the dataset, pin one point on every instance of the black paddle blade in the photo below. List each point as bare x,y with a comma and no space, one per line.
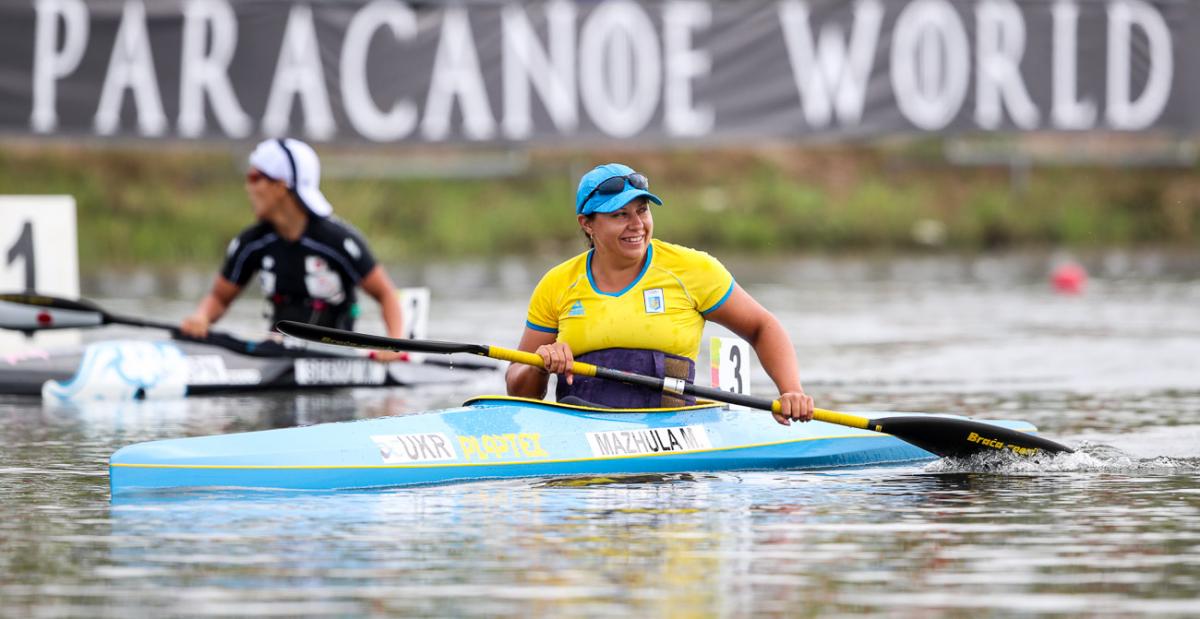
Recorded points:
959,438
353,339
47,302
31,312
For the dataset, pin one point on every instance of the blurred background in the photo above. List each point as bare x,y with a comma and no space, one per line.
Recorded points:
457,131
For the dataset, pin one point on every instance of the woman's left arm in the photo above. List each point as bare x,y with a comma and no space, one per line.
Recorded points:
752,322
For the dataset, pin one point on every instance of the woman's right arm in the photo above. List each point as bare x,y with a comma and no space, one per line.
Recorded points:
211,308
526,381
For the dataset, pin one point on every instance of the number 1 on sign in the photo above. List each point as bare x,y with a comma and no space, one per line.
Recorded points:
22,249
730,360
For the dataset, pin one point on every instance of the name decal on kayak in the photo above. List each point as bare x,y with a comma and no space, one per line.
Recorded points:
648,441
404,448
513,446
339,372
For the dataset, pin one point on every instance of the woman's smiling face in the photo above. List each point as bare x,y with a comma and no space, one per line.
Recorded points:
625,232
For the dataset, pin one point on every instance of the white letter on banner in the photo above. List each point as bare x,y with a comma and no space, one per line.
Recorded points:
1068,111
298,72
1123,112
456,75
131,67
930,66
828,76
620,68
1001,44
200,73
526,63
49,63
682,64
370,121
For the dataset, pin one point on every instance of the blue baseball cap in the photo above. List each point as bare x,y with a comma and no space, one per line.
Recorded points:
588,200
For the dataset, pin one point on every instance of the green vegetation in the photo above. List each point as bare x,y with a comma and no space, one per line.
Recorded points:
171,206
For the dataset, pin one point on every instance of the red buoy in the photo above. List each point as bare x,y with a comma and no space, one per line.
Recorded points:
1069,278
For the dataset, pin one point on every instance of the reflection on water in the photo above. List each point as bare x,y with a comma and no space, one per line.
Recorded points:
1112,530
861,541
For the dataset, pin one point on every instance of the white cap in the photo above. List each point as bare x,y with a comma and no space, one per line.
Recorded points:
296,164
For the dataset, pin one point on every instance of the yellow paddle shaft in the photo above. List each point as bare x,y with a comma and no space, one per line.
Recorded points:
587,369
534,359
841,419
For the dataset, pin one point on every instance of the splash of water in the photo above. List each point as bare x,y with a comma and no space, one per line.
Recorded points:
1088,457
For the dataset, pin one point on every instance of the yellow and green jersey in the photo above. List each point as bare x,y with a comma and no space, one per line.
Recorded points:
663,309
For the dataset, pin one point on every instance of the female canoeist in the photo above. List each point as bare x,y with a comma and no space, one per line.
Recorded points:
308,261
639,304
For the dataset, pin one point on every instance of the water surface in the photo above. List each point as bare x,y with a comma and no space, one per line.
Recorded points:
1111,531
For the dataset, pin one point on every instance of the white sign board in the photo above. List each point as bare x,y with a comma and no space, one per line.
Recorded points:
414,304
38,252
730,361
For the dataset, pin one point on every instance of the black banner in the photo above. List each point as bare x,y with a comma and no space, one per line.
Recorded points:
564,72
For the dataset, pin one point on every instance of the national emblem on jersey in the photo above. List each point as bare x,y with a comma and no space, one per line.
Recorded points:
321,281
654,301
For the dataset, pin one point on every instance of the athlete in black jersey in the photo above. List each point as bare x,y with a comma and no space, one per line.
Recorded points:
308,261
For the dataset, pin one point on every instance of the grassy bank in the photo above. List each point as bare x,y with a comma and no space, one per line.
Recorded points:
139,207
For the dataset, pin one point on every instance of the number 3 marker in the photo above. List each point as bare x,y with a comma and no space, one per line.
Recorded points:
730,360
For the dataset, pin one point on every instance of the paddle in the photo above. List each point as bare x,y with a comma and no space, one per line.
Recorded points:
31,311
943,436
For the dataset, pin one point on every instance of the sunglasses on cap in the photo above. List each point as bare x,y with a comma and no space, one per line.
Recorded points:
255,175
616,184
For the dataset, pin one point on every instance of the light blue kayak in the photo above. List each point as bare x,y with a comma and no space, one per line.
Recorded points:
499,437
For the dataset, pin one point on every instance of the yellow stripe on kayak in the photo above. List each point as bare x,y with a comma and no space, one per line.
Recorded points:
699,405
